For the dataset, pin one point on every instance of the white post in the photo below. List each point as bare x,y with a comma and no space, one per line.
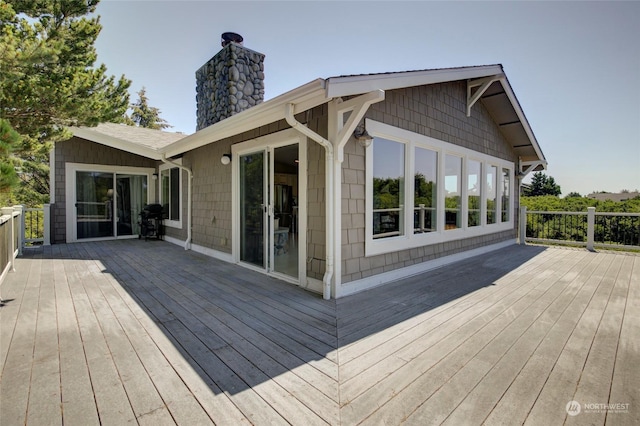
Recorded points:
12,250
421,217
523,225
20,208
591,225
47,224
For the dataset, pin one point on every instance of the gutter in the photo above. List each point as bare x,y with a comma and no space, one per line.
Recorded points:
187,243
329,183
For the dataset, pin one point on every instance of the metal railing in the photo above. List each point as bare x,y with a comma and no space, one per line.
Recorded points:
35,226
591,229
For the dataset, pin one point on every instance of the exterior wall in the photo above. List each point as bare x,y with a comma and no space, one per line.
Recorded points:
212,198
316,196
437,111
77,150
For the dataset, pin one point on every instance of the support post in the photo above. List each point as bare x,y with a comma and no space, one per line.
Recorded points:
8,211
47,224
20,208
523,225
591,225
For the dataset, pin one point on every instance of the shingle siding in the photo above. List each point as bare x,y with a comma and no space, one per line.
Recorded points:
211,196
77,150
437,111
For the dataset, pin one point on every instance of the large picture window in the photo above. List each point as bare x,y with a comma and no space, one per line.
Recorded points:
505,195
425,186
474,182
454,192
491,190
388,188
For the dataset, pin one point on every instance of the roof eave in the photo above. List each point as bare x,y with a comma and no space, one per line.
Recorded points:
101,138
523,119
353,85
304,97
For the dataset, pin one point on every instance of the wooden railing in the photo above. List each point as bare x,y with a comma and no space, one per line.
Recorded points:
590,229
10,239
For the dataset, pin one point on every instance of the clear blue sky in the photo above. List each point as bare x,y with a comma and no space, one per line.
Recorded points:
574,66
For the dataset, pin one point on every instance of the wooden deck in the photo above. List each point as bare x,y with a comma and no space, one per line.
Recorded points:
143,332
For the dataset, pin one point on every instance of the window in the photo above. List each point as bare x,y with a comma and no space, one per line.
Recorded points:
454,192
474,181
425,191
506,191
170,195
388,188
490,190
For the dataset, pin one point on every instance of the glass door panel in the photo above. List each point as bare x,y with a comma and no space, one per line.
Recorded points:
284,183
253,209
94,204
131,196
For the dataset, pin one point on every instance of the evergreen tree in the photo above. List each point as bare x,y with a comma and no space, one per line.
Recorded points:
144,115
49,81
9,140
542,184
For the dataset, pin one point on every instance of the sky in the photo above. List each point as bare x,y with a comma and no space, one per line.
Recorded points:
574,66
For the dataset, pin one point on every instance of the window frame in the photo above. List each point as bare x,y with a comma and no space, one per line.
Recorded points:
410,239
403,226
167,166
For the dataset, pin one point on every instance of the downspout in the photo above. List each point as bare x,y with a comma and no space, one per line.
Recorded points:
329,180
187,243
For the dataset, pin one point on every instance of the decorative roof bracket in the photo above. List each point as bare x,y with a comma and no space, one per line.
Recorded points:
357,107
484,84
527,167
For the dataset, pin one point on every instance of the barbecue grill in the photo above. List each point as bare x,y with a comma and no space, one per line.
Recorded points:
151,222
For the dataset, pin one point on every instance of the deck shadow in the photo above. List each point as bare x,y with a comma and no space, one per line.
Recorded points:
239,328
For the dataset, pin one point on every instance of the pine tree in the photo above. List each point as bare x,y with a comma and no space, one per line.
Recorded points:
144,115
9,140
542,184
48,81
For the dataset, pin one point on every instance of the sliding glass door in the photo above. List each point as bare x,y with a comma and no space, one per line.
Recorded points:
253,208
108,203
268,192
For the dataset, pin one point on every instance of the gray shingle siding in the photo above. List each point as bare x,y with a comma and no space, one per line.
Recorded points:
437,111
77,150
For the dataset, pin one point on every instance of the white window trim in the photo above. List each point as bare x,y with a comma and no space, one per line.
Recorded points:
70,192
168,166
410,240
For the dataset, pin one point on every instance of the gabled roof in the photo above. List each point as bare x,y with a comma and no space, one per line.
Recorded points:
497,96
137,140
486,83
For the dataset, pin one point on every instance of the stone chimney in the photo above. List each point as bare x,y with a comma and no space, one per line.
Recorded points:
230,82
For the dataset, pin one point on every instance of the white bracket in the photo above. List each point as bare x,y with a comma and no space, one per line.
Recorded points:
484,84
358,108
527,167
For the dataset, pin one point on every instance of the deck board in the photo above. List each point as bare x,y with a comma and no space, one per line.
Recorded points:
135,332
